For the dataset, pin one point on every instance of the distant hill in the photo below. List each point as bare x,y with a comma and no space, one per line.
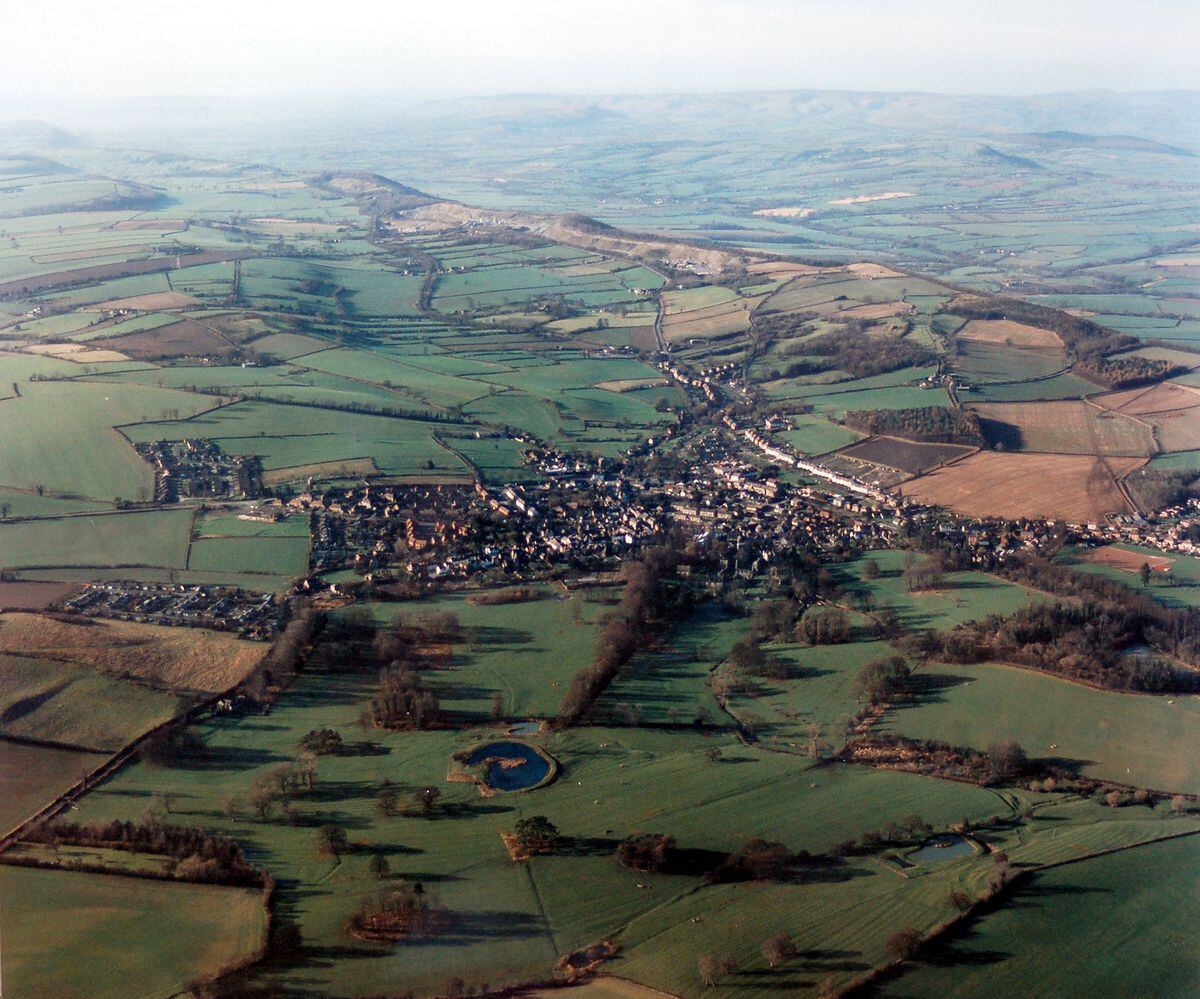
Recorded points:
21,135
1060,139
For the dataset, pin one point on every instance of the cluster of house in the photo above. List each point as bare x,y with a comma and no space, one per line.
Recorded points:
199,468
1175,529
703,384
251,615
785,455
368,525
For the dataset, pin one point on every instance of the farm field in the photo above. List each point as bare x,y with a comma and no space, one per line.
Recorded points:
912,457
76,707
525,652
1058,932
1138,739
813,435
34,775
1075,488
98,542
211,928
1070,428
182,659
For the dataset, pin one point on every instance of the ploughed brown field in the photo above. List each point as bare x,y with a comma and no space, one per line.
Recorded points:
913,457
1119,558
186,338
1070,426
1007,331
1079,489
151,302
1173,411
32,594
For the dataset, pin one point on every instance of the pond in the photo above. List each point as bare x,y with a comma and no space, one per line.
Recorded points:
525,728
511,766
940,849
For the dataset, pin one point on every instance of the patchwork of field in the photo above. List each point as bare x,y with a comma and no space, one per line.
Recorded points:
49,913
1069,427
1079,489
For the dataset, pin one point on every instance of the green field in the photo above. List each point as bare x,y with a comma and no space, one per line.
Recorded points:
75,706
1091,928
526,652
157,538
169,933
813,435
34,775
1139,739
59,436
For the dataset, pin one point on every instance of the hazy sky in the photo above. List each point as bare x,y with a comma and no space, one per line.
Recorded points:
120,48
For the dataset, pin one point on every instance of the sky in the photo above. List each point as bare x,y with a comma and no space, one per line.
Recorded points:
256,48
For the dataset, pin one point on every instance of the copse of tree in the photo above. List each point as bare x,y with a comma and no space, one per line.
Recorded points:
933,424
1008,760
777,948
1126,372
823,626
758,860
653,853
323,742
774,619
537,834
332,841
176,745
399,913
403,703
903,945
882,680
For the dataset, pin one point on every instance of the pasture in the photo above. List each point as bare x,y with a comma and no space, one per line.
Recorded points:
98,542
1056,937
33,776
169,933
75,706
513,921
1139,739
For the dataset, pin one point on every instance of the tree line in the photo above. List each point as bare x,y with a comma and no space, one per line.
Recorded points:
649,605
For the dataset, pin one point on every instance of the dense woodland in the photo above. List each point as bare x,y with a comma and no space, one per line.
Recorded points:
1096,631
858,354
934,424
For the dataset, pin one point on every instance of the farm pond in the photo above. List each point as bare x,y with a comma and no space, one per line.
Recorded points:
940,849
510,766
